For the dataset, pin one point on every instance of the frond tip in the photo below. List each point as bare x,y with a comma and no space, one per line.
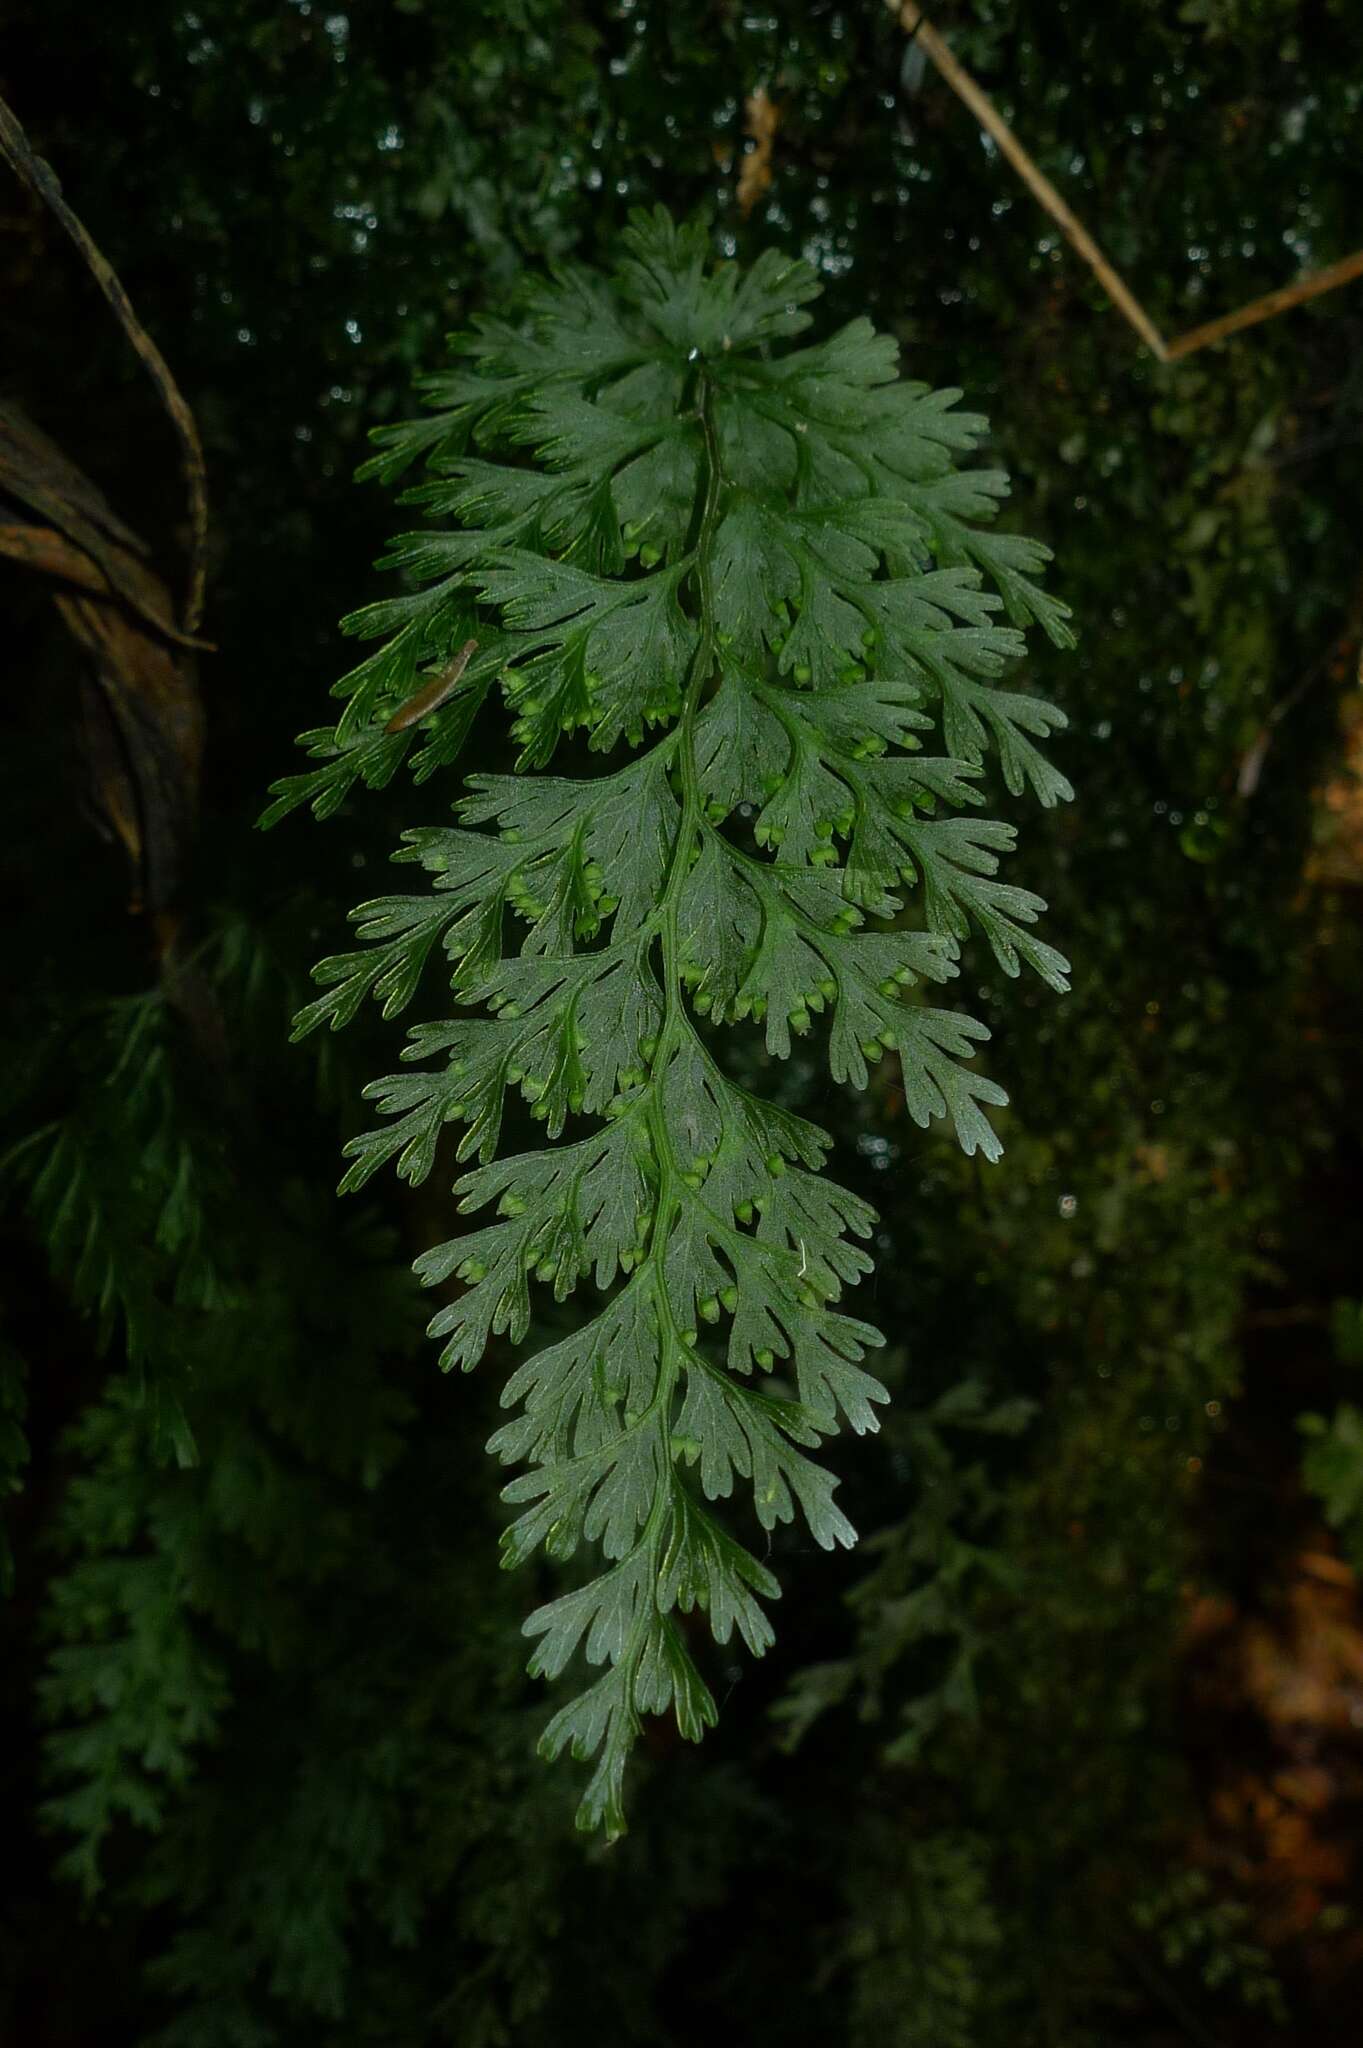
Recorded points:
758,583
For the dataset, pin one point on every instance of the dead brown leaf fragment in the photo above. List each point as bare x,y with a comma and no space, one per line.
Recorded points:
761,119
141,718
1282,1798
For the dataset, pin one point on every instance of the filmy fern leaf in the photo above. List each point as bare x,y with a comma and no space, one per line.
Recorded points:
756,582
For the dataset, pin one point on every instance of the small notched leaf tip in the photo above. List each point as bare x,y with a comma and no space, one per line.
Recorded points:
757,583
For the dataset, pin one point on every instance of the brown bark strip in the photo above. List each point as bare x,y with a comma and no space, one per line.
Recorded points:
141,721
37,476
40,178
51,554
144,738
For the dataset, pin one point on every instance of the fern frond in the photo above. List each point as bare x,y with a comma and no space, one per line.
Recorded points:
762,574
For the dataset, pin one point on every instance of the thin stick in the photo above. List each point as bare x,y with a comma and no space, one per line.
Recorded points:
989,118
986,113
1272,303
41,179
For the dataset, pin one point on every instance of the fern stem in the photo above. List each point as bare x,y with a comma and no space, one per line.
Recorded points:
676,1022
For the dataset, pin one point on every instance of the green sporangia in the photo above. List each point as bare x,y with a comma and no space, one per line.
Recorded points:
752,581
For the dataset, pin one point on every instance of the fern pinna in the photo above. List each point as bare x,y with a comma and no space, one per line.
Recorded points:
755,580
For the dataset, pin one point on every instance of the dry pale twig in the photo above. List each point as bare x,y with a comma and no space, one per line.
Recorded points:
1272,303
991,120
